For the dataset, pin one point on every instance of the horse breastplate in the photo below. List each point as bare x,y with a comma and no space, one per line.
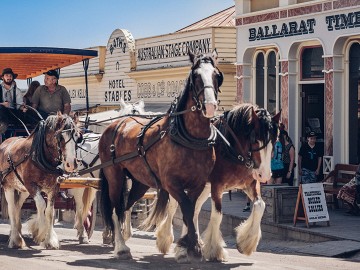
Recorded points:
179,134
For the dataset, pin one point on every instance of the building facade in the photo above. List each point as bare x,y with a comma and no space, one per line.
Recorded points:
303,58
155,69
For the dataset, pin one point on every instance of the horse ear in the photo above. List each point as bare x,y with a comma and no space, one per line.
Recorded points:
276,117
215,55
122,103
141,105
255,119
191,56
220,78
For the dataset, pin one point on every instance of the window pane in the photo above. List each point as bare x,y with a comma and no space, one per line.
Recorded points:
312,63
260,80
271,83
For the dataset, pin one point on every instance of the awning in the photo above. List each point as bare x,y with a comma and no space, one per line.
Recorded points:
29,62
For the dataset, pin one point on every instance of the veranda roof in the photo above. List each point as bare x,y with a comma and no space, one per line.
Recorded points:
29,62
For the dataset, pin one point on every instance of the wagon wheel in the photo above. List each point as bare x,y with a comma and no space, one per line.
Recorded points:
89,223
4,206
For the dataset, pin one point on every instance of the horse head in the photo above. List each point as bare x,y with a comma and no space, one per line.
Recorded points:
263,138
252,134
134,108
61,138
205,80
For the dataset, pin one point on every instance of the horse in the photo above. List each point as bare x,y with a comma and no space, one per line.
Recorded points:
88,154
243,155
29,166
172,153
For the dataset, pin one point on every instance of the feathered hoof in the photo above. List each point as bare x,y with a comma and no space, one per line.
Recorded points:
123,255
244,251
83,240
181,255
18,243
49,245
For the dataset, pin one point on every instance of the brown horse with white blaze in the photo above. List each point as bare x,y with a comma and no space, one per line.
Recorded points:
172,153
243,156
29,166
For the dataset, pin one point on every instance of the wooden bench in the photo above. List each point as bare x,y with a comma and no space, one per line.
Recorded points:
341,175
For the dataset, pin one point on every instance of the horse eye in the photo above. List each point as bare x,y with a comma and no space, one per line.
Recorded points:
80,138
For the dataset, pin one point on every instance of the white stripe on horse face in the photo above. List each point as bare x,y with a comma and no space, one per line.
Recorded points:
263,173
69,160
206,72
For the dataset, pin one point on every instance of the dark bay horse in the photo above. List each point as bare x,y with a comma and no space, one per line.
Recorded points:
243,155
172,153
29,166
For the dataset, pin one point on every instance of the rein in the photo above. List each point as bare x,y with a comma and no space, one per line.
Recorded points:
241,157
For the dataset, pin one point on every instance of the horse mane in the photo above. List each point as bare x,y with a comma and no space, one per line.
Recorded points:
39,139
240,121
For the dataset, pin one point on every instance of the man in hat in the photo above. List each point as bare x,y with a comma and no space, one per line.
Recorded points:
10,94
309,159
51,97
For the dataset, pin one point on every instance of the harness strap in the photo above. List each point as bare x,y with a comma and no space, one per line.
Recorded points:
13,166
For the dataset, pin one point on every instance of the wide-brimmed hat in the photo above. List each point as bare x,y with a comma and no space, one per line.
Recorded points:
8,71
311,134
52,72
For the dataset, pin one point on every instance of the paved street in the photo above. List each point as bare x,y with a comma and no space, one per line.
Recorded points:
272,254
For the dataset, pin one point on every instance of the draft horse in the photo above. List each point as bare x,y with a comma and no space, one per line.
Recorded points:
172,153
29,166
243,156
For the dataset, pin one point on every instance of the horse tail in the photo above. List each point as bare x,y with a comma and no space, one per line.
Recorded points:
105,202
87,199
158,211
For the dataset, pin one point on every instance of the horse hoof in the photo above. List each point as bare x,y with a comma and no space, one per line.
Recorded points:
123,255
50,245
83,240
108,240
181,255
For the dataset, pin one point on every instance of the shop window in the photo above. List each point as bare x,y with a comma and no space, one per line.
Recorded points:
312,63
354,102
267,81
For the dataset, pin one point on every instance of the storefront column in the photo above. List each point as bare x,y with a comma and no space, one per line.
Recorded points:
239,84
329,111
284,76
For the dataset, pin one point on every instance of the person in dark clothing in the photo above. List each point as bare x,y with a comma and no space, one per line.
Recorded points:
310,158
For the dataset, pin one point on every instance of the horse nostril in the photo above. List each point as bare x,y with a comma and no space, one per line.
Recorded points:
68,164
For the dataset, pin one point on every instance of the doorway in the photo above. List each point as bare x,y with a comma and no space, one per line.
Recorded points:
313,111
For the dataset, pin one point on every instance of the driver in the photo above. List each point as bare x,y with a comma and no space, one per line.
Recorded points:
10,94
51,97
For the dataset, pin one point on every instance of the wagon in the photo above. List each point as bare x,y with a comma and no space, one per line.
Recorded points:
30,62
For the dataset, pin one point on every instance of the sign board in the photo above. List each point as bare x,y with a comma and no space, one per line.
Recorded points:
311,204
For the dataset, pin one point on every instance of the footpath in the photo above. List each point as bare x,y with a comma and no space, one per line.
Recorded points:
340,239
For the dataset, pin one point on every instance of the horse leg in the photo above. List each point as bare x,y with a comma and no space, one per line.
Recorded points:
36,223
187,246
51,240
248,233
79,226
164,232
214,245
121,251
199,203
15,240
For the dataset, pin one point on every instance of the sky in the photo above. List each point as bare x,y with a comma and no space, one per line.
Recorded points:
86,23
83,24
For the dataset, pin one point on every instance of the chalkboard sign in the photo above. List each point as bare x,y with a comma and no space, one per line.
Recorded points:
311,204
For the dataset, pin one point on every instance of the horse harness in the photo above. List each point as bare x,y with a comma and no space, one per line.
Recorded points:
38,159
